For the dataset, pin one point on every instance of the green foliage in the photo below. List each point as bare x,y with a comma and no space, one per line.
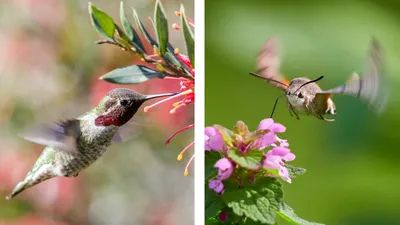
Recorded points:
102,22
250,160
258,201
161,25
188,34
167,64
131,75
211,157
289,215
295,171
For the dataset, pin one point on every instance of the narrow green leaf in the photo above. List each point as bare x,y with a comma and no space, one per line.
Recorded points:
295,171
143,29
102,22
131,35
250,160
188,35
161,25
131,75
287,213
258,202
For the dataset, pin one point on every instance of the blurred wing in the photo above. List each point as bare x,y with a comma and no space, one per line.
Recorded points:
268,64
371,87
61,135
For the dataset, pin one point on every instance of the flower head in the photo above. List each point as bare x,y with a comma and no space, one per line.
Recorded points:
225,168
270,138
216,185
213,139
275,160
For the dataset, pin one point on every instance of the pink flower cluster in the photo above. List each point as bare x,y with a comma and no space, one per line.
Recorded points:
274,160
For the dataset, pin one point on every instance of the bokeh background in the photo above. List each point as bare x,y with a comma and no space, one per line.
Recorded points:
353,163
49,69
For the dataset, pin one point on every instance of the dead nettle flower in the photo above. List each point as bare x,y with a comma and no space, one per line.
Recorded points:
186,91
257,152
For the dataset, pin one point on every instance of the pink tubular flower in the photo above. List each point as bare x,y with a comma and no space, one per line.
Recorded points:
270,138
187,92
216,185
225,168
213,140
275,160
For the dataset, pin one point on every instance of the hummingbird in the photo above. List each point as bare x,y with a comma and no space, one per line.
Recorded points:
305,97
74,144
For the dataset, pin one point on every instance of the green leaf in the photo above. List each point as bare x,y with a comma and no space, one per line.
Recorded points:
131,75
250,160
188,35
102,22
213,203
258,201
131,35
295,171
211,157
143,29
161,25
289,215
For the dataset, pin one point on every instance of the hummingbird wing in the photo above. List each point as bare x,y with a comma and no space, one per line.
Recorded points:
268,64
60,135
372,87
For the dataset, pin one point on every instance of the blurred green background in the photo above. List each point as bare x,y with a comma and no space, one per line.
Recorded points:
49,69
353,164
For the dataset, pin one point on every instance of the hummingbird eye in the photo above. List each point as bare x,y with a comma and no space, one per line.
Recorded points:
123,102
300,95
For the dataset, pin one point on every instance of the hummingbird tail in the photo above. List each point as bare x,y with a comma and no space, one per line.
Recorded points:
31,180
21,186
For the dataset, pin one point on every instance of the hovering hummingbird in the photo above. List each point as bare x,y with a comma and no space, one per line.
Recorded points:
74,144
304,96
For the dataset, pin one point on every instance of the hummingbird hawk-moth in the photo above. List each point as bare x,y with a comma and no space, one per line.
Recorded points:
304,96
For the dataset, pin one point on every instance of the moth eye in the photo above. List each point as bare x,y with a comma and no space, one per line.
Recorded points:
123,102
300,95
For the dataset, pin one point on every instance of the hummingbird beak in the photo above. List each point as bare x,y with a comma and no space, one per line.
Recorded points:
148,97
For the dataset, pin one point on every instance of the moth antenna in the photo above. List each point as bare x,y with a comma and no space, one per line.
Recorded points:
268,79
276,102
308,82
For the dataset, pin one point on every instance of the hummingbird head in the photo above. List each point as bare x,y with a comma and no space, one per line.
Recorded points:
301,87
119,106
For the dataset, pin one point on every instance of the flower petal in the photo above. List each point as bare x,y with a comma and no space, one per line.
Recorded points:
265,124
289,157
280,151
225,168
277,127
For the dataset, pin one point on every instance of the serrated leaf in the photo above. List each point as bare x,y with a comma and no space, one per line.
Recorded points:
211,157
251,160
287,213
213,203
226,134
295,171
161,26
102,22
258,201
143,29
131,75
129,33
188,36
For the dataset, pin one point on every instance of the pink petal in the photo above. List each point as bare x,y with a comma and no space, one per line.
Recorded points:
280,151
289,157
277,127
265,124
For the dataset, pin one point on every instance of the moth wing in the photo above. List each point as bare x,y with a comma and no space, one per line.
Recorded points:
61,135
372,87
268,64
